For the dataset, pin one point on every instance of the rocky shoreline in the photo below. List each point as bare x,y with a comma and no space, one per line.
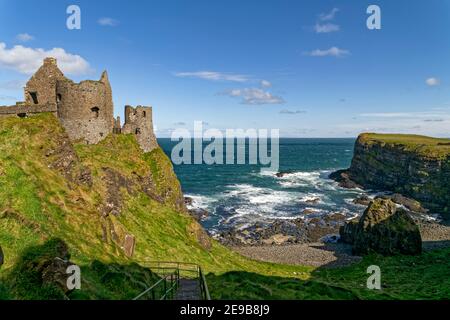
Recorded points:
318,241
392,223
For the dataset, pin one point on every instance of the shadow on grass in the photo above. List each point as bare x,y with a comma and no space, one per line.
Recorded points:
403,277
425,276
27,280
245,286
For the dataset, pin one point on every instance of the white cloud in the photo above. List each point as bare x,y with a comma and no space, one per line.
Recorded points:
326,28
24,37
265,84
432,82
108,22
254,96
213,76
27,60
333,51
328,16
410,115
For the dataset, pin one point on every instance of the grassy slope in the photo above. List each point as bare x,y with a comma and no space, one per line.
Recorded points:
47,206
426,146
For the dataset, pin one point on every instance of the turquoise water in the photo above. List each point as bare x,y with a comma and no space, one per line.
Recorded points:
238,195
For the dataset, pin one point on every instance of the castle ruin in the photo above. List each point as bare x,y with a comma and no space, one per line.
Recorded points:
85,109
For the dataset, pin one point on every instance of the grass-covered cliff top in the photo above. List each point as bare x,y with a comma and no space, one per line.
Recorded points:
426,146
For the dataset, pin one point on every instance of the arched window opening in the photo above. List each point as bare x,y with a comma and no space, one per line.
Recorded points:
95,111
34,97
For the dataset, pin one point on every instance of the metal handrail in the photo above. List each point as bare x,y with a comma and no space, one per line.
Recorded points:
164,282
203,286
174,269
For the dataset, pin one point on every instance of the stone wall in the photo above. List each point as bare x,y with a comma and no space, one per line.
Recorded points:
138,121
24,110
85,109
41,88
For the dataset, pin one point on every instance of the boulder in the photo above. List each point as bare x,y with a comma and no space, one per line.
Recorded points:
347,231
199,234
55,273
188,201
362,200
281,174
198,213
344,180
383,229
53,267
408,203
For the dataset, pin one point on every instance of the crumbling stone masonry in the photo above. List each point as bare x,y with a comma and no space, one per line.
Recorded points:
85,109
139,121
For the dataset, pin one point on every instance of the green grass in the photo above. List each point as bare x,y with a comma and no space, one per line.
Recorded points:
423,145
424,277
41,205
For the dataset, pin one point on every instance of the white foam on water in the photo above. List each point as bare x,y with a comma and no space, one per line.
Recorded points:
257,203
245,204
261,196
312,197
199,202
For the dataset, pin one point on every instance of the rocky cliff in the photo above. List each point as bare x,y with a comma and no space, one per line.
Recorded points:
415,166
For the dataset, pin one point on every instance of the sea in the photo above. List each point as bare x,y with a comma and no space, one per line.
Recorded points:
241,195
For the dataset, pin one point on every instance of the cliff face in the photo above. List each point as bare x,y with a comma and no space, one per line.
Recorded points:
415,166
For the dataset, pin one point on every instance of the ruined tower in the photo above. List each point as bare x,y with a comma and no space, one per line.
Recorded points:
138,121
41,88
85,109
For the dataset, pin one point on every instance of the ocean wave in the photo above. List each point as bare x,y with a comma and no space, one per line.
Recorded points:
259,195
262,197
199,202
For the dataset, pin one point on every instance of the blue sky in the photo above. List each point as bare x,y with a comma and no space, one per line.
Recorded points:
308,68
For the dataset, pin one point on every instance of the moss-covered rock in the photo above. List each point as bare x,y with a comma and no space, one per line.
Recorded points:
383,229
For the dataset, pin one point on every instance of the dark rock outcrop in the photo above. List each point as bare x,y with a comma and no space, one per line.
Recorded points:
2,259
415,166
363,200
281,232
347,232
196,231
55,273
408,203
344,180
198,213
383,229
